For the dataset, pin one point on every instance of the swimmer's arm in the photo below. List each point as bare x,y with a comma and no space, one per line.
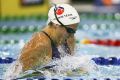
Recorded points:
34,53
71,43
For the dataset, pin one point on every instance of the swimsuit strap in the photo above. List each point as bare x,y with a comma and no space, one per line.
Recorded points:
49,38
55,52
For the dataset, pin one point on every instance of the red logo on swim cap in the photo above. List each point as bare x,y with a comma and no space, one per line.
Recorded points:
59,10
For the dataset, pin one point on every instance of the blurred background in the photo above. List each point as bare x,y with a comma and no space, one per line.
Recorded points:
99,26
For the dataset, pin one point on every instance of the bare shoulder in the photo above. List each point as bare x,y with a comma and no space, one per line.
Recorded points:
38,43
38,39
36,51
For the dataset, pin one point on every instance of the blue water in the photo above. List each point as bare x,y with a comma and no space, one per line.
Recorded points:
13,50
107,29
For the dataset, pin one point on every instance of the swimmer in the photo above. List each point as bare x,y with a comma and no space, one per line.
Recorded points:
45,45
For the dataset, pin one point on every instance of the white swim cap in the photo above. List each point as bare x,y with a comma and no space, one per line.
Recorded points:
65,13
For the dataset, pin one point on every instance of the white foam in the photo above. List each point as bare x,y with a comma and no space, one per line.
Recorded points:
83,64
66,66
13,71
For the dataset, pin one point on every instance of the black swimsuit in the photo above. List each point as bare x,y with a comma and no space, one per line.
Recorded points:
55,52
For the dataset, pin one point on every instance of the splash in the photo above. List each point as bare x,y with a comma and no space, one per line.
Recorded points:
71,66
66,66
13,71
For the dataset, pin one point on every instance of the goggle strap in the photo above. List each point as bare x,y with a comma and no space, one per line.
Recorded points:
57,17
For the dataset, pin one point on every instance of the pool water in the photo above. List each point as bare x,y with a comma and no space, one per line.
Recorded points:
98,69
82,52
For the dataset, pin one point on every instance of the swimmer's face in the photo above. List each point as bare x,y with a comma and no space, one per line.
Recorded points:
69,30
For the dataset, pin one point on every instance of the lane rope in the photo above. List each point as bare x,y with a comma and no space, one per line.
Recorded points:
98,60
